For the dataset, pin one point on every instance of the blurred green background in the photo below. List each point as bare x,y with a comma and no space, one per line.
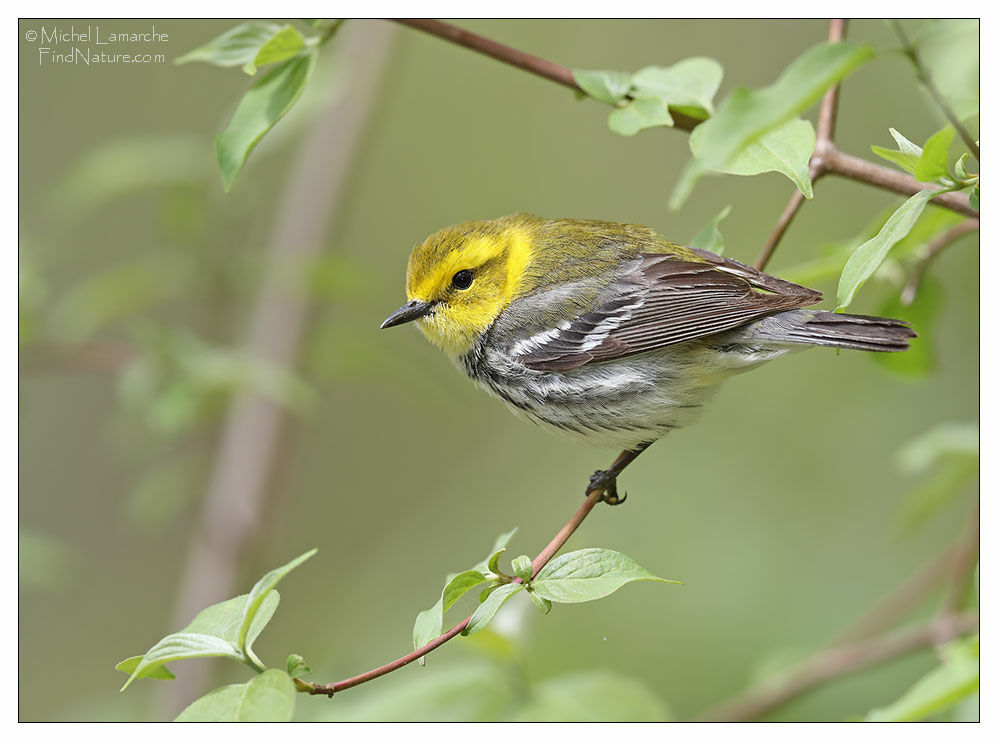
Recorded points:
782,510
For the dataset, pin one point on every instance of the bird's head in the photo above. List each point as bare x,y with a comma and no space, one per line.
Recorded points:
461,278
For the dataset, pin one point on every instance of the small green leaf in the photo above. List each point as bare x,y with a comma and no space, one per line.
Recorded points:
284,44
522,567
710,236
224,620
486,593
491,563
542,604
689,82
905,161
973,199
961,167
786,150
932,163
262,106
638,114
746,115
904,145
428,626
128,666
296,666
430,623
257,595
866,258
235,47
181,647
588,574
607,86
940,689
487,609
269,696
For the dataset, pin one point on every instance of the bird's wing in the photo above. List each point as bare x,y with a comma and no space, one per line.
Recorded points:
660,302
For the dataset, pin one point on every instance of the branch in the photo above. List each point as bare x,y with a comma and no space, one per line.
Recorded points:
935,248
839,661
522,60
329,689
831,160
923,74
854,168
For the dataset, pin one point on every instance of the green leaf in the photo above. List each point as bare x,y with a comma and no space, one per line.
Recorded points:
487,609
257,595
946,439
522,567
269,696
961,167
295,664
224,620
542,604
940,689
235,47
904,145
284,44
746,115
592,697
973,199
638,114
491,563
786,149
130,665
689,82
588,574
430,623
428,626
220,622
932,163
866,258
182,646
607,86
710,236
263,105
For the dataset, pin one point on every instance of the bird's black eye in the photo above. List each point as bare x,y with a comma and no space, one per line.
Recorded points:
462,279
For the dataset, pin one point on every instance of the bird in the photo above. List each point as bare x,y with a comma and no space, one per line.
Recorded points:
608,333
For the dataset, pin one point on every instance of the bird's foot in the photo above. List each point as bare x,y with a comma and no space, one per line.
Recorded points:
604,481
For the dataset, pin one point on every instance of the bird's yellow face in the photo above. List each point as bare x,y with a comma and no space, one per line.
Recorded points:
460,279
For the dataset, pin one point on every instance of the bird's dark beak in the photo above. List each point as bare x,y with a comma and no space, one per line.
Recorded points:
408,312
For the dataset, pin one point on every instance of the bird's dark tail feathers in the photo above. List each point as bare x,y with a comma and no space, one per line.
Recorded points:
853,331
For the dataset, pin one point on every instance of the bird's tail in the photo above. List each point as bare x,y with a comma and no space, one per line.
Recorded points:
853,331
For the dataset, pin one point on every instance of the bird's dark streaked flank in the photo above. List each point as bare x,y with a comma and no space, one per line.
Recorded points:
606,332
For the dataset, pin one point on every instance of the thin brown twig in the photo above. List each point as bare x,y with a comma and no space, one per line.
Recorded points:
837,662
329,689
910,51
847,166
936,246
527,62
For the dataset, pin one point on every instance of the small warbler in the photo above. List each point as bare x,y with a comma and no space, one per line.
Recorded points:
607,332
